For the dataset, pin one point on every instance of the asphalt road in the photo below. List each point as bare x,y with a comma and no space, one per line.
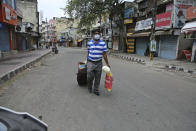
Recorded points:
142,99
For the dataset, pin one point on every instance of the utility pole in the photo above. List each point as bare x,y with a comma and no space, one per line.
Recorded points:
152,38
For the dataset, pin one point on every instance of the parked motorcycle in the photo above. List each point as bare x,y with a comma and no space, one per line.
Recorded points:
18,121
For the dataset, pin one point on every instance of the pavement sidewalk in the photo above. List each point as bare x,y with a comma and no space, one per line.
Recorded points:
14,64
177,65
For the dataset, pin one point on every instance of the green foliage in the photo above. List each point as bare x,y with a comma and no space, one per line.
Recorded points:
89,10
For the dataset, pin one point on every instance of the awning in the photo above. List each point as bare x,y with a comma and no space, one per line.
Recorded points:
157,33
140,34
189,27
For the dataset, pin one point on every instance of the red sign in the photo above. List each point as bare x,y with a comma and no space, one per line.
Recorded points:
191,13
8,15
163,20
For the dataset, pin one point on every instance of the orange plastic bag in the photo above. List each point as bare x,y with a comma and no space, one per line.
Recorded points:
108,81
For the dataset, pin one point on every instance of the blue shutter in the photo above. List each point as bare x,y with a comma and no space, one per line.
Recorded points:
4,38
141,45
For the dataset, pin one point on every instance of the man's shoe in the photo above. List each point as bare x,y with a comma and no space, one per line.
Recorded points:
96,92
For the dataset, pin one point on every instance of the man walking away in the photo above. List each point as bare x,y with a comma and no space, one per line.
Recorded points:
97,50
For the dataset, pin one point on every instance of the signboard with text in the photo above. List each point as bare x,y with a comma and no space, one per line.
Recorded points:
143,24
8,15
191,13
128,21
180,11
163,20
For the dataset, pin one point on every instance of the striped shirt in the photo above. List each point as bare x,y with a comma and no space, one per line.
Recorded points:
95,50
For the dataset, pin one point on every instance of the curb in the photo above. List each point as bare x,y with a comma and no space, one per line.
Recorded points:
143,62
8,75
129,58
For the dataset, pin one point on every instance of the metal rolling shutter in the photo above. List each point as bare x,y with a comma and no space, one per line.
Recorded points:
168,47
141,45
4,38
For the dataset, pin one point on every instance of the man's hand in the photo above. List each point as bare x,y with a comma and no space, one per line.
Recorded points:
108,65
106,59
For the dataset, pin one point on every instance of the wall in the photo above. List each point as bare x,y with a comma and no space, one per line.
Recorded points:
29,9
184,43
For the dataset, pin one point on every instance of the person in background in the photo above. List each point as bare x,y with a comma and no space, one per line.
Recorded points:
97,50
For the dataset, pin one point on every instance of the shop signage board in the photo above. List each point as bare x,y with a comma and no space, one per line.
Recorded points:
163,21
8,15
147,23
129,13
128,21
143,24
191,13
139,25
180,11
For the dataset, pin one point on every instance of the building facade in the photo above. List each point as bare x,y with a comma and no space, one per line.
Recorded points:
30,23
170,18
8,22
60,24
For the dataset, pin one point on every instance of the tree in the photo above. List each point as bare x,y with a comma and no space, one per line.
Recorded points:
89,10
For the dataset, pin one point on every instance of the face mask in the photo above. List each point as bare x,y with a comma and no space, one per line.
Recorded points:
97,37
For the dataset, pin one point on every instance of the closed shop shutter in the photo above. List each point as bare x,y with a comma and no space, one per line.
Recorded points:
24,44
168,47
4,38
141,45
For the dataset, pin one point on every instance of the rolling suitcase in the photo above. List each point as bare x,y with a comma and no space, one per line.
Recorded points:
82,74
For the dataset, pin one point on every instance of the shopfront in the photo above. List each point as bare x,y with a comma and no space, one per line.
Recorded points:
8,20
143,38
167,39
141,45
189,30
168,46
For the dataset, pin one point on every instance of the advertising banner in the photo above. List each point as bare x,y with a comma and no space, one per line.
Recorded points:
163,20
139,25
147,23
143,24
180,11
7,14
191,13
